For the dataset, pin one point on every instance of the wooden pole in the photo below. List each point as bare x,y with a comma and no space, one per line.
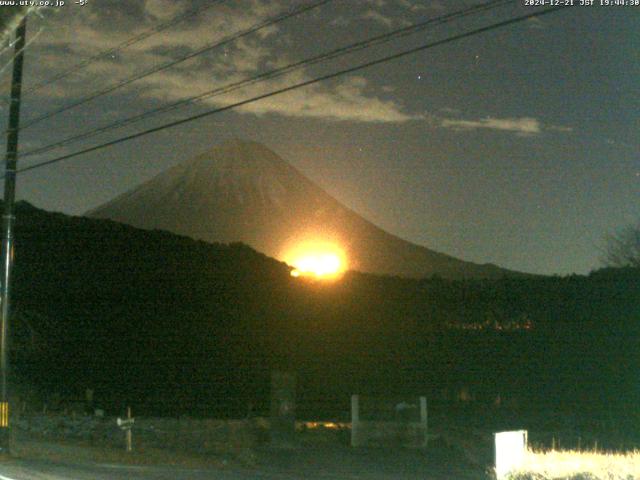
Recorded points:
129,433
355,420
7,240
424,420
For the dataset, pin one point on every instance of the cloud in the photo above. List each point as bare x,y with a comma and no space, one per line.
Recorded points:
387,13
350,99
420,7
450,111
164,9
619,143
346,101
522,126
535,23
377,3
559,128
378,18
9,20
339,21
342,100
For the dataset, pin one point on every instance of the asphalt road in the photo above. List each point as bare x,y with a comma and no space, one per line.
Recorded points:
306,464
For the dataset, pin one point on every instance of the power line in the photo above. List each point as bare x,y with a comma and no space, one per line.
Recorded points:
6,46
5,68
10,44
127,43
228,39
361,66
348,49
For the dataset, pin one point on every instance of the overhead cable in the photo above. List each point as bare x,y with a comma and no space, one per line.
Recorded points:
338,52
158,68
298,85
123,45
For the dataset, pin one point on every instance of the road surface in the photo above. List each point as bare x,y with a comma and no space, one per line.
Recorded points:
326,463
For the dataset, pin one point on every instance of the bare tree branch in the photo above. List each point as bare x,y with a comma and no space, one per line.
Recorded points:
623,248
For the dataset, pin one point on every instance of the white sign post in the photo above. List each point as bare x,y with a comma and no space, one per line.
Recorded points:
126,424
511,449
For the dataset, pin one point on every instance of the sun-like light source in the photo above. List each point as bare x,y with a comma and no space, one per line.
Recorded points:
318,264
318,260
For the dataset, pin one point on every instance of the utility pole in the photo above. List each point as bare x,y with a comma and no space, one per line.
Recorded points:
7,239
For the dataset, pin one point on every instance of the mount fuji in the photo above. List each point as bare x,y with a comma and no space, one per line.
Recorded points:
242,191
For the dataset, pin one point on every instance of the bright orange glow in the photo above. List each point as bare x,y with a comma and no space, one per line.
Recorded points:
316,259
327,425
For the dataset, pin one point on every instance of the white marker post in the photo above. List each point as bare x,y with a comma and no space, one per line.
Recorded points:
511,448
126,425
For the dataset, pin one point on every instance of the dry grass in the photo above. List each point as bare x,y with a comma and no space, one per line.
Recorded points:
571,464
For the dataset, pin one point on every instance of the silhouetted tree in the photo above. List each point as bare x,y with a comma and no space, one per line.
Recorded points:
623,248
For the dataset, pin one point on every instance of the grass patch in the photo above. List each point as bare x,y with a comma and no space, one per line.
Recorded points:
579,465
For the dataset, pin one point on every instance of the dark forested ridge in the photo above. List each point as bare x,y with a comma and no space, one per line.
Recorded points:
172,325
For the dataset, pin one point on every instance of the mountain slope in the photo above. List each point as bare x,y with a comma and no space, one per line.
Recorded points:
242,191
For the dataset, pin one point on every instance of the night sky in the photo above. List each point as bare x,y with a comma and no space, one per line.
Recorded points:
518,146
